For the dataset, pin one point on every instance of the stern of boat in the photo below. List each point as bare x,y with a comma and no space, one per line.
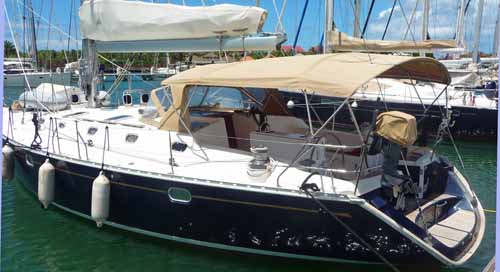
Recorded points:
473,220
454,221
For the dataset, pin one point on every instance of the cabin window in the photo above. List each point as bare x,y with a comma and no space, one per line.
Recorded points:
62,125
92,131
164,96
75,98
75,114
218,97
179,195
117,117
144,98
127,99
131,138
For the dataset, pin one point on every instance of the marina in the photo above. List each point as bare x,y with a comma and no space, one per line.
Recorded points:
360,154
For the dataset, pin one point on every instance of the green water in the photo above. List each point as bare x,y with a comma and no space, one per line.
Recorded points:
52,240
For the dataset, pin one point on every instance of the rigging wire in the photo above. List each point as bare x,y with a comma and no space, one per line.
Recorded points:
406,19
367,19
345,226
389,19
48,34
306,4
70,20
411,19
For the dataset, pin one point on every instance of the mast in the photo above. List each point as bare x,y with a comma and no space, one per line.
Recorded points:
460,25
328,24
357,13
477,31
497,32
88,70
425,23
33,49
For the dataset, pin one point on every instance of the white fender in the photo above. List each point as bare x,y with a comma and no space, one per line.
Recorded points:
46,183
100,199
8,163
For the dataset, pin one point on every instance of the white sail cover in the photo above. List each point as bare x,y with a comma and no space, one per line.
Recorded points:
119,20
343,42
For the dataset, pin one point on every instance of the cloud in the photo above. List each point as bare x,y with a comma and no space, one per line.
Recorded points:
386,12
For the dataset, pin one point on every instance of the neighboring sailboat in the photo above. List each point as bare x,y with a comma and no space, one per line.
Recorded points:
24,73
473,96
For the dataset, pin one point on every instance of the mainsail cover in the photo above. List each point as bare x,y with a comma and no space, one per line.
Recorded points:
343,42
119,20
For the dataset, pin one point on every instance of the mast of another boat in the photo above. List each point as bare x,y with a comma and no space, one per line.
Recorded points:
88,70
34,50
328,24
425,24
497,32
460,25
477,32
357,14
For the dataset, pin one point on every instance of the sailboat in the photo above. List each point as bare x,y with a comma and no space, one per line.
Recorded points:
24,72
213,158
473,111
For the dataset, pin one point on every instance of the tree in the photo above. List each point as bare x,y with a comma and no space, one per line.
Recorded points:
9,50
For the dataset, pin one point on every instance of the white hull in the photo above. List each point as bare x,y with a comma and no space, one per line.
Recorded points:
35,79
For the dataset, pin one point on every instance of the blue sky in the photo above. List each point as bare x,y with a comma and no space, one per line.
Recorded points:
441,25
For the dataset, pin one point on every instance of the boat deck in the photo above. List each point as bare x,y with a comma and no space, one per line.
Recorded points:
454,229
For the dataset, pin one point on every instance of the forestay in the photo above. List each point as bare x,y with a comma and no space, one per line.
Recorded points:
118,20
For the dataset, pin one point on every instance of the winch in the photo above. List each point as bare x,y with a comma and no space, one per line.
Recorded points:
259,166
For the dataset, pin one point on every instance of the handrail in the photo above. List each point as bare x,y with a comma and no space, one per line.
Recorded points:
79,136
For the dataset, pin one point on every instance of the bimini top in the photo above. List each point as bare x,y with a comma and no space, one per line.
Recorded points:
339,74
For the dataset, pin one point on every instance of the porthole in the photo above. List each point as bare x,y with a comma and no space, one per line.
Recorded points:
29,160
179,195
92,131
131,138
61,125
144,98
127,99
75,98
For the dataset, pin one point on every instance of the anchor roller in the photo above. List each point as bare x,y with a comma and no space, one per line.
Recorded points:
100,199
46,183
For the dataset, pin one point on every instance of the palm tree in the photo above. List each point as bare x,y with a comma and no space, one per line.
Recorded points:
8,49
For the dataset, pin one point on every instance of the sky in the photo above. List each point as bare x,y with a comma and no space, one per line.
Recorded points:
443,15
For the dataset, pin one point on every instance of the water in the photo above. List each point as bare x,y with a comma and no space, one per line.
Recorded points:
52,240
